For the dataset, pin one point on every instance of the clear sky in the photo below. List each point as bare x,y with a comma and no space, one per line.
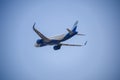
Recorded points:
98,60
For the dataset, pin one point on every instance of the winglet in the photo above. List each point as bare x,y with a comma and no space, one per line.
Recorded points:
34,25
85,43
40,34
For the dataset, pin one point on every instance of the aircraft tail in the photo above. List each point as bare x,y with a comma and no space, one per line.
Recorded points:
75,26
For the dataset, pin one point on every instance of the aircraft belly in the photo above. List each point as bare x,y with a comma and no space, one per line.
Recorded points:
52,42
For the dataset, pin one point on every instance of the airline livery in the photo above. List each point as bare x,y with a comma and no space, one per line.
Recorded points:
57,40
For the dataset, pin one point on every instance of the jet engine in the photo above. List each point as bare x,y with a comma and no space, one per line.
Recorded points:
57,47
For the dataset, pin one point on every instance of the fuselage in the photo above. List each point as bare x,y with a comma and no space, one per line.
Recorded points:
41,42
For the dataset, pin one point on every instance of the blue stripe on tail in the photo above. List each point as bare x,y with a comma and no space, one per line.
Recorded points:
75,26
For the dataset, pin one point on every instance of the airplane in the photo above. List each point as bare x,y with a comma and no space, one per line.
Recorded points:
57,40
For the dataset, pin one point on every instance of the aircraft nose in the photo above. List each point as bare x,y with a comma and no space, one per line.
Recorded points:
36,45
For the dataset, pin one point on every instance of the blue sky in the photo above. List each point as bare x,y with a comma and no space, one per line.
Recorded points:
98,60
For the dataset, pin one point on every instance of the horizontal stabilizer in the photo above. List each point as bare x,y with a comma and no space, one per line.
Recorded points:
69,31
80,34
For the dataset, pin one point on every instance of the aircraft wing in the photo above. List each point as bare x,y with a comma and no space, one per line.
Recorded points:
73,44
40,34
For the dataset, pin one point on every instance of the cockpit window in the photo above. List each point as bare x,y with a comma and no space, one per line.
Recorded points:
39,41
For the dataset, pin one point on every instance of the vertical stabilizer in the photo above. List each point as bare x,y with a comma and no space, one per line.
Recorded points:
75,26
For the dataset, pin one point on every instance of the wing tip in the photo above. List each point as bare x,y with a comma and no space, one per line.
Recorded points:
85,43
34,25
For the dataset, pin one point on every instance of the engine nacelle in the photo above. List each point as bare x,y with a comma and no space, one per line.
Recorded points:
57,47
